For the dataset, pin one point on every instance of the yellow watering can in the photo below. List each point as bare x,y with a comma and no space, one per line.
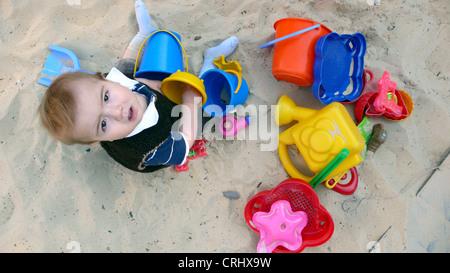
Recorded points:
320,135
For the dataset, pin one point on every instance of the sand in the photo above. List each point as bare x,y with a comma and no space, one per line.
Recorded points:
57,198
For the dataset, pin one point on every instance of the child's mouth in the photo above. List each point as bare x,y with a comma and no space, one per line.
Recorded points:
131,114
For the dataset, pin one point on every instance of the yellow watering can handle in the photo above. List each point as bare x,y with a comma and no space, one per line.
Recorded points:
239,77
288,165
140,49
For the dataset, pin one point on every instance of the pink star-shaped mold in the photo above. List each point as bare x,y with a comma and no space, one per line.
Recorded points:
279,226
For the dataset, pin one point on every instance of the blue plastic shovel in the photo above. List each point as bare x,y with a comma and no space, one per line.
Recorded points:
60,61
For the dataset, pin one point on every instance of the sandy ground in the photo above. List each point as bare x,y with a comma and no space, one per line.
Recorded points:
57,198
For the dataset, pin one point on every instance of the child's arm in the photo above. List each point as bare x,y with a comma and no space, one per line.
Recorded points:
189,120
154,84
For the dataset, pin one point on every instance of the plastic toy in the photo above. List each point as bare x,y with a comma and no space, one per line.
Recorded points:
163,60
301,197
293,58
60,61
171,86
407,101
373,135
339,61
197,150
345,186
229,126
365,127
367,79
230,67
386,101
393,104
279,227
225,87
163,56
329,167
319,136
271,43
364,106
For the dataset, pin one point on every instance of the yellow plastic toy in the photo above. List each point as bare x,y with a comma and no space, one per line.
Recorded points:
320,135
172,86
231,67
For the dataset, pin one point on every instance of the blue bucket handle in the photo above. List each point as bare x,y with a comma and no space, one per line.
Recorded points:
143,43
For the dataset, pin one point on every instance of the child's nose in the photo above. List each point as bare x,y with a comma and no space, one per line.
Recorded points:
117,112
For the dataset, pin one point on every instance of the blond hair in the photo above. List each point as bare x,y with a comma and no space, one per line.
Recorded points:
57,108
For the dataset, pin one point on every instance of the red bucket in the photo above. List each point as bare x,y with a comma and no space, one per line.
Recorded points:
302,197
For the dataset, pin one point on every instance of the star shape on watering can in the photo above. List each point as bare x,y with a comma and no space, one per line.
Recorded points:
279,227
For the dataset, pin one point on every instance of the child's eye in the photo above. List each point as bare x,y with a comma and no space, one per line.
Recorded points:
106,96
103,125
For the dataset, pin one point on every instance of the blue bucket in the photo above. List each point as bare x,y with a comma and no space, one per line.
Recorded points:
220,88
162,57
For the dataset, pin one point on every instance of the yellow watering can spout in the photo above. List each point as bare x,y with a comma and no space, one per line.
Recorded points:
286,111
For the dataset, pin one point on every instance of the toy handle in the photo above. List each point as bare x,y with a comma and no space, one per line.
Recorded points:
330,183
149,36
288,165
238,75
370,73
348,188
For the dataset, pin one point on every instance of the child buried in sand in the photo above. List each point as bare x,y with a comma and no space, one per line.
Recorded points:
129,117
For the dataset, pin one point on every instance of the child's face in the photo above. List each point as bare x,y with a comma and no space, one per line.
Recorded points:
105,110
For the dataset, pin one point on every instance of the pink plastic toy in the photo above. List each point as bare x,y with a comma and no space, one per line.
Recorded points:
385,102
279,226
229,126
393,104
